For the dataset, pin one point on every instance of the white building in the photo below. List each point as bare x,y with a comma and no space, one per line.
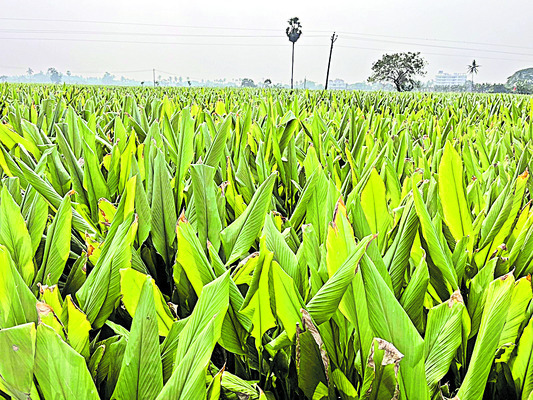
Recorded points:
337,84
446,79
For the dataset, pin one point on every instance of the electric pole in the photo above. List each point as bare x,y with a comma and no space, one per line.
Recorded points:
292,65
154,73
333,40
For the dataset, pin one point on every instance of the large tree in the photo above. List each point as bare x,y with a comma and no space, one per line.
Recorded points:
293,31
400,69
54,75
247,82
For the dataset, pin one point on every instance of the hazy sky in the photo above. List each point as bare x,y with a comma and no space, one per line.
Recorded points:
448,33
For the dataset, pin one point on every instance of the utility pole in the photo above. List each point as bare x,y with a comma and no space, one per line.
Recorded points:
305,82
333,40
292,65
154,74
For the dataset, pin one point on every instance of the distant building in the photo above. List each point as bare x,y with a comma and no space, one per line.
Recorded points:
337,84
446,79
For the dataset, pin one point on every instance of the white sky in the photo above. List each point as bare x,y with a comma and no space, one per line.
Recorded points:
471,25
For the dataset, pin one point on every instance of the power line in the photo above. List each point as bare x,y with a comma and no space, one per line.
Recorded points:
153,42
443,46
137,24
260,45
437,40
77,21
74,32
435,54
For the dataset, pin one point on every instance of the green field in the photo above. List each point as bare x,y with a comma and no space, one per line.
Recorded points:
162,243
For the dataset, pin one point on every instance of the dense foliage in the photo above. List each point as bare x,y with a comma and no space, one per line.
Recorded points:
247,244
400,69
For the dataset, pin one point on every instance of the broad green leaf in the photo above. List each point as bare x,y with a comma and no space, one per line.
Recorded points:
257,304
15,237
11,139
374,202
238,237
310,364
132,283
141,375
438,253
413,296
391,323
163,211
208,223
196,342
100,294
381,375
61,372
17,302
520,301
17,346
499,296
396,258
452,194
77,327
522,364
443,337
287,299
57,248
326,302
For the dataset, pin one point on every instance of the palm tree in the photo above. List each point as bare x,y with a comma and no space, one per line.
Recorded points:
473,69
293,31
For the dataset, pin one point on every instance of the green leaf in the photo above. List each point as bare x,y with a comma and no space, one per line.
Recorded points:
185,150
412,299
282,252
17,346
520,301
499,296
100,294
10,139
440,257
381,374
141,375
522,364
93,180
324,304
163,211
208,223
53,198
216,152
238,237
391,323
396,258
14,235
57,247
77,327
17,302
287,299
196,342
443,337
452,194
191,257
131,285
374,202
310,362
61,372
36,218
257,304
